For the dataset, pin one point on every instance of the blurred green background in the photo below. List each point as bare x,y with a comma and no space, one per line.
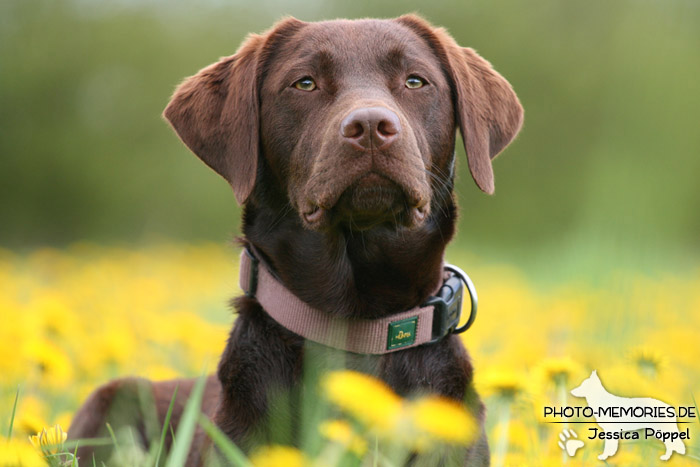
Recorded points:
604,174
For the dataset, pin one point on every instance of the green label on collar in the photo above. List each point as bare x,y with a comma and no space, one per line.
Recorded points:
402,333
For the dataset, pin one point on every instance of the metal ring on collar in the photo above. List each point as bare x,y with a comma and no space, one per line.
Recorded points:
472,296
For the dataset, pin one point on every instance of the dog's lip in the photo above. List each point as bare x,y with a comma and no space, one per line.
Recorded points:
419,213
317,212
414,199
316,216
313,214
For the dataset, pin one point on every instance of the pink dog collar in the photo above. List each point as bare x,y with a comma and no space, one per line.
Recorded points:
429,322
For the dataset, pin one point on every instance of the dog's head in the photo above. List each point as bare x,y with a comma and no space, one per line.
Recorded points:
355,120
587,386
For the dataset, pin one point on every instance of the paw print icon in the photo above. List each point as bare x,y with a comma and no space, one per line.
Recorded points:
569,442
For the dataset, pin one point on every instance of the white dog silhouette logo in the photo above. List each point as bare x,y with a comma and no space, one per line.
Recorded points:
612,413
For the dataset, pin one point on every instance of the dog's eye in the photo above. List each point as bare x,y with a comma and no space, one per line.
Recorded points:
305,84
415,82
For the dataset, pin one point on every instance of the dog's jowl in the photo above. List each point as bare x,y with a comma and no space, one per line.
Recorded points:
338,138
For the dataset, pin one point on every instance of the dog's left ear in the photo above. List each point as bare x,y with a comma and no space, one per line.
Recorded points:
488,111
216,112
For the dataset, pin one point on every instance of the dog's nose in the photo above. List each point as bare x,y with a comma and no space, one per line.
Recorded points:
370,128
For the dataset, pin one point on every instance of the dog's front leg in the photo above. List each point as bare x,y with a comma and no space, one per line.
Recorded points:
609,448
442,369
260,365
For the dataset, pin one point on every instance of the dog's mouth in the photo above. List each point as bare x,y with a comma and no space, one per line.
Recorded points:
371,201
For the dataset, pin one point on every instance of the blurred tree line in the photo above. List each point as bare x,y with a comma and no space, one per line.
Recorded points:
607,160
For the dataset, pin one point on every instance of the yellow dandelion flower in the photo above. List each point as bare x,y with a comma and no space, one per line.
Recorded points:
648,361
64,419
520,437
502,382
31,415
341,432
53,314
677,342
13,369
366,398
161,373
560,371
277,455
50,360
517,459
49,441
19,454
443,420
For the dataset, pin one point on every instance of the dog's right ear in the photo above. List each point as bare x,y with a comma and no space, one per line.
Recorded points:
216,112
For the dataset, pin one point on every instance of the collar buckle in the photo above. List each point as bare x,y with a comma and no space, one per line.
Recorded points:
447,304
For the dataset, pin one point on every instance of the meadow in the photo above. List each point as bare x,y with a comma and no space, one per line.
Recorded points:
75,317
585,259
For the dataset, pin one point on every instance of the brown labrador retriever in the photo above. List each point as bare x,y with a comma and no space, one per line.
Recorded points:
338,138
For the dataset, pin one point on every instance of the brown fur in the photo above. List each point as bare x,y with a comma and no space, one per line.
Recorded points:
355,230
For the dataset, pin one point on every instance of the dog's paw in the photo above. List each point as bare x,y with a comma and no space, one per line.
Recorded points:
569,443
